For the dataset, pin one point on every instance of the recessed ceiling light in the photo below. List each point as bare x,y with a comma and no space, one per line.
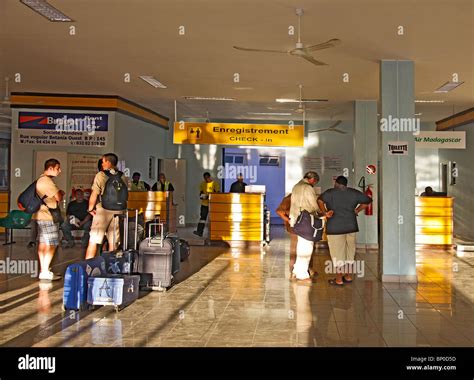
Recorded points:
284,100
448,86
46,10
429,101
152,81
209,98
270,113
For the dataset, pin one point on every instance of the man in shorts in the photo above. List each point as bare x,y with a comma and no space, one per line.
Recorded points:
103,220
48,230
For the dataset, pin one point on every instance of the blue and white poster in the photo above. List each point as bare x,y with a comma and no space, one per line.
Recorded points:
63,129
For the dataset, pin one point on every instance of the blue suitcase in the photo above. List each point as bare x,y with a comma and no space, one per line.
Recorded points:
118,291
75,282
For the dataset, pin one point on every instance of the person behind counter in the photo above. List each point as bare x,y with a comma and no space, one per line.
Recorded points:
429,192
207,186
138,185
162,184
239,185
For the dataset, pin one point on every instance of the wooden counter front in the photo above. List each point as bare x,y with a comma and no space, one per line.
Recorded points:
434,220
236,216
152,203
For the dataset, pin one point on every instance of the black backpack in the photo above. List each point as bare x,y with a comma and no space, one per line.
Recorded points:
29,201
115,194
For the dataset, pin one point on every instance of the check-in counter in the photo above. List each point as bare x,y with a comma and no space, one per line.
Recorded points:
434,220
236,217
153,203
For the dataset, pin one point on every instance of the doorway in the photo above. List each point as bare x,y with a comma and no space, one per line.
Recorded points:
259,166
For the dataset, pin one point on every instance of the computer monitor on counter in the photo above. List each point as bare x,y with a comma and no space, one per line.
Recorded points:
255,189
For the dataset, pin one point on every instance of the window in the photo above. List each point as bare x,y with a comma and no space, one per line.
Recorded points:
152,167
269,161
234,159
4,165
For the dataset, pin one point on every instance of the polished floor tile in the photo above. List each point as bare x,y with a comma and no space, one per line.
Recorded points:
239,297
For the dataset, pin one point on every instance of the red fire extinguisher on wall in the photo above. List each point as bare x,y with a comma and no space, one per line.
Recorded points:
369,210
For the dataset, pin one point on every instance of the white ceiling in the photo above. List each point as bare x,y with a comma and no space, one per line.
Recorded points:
140,37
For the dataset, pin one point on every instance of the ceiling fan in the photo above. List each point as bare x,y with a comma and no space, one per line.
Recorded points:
300,51
332,128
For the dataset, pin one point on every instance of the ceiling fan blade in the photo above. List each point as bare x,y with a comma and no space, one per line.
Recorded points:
335,124
338,131
260,50
318,130
325,45
312,60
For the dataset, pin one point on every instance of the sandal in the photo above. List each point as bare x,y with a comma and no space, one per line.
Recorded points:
333,282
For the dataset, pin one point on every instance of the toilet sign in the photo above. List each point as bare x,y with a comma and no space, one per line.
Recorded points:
397,148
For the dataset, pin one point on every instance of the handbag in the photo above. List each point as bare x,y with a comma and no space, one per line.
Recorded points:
309,227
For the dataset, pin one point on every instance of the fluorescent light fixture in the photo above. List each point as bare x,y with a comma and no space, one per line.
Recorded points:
448,86
152,81
46,10
429,101
284,100
211,98
270,113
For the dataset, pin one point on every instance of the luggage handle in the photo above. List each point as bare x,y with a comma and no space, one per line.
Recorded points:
149,232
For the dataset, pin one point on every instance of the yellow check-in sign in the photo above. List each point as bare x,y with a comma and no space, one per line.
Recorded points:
238,134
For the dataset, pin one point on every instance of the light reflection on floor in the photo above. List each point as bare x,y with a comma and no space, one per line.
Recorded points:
247,300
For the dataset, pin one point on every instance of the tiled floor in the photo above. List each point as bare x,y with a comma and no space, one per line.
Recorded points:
243,297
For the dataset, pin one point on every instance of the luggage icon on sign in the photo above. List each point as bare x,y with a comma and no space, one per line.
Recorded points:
194,133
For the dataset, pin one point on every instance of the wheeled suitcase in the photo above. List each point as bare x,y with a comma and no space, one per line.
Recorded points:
155,261
124,261
114,290
75,282
118,290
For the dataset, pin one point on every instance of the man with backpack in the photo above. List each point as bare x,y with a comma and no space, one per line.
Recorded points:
108,198
48,227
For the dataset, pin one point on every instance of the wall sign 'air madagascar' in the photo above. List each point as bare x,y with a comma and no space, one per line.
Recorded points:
238,134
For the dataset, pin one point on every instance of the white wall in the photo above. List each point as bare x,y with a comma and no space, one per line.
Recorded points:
464,189
319,145
136,141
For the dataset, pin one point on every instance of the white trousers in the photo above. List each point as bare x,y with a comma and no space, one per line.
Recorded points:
304,250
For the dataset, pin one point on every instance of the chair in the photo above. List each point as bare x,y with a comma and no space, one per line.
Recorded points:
15,220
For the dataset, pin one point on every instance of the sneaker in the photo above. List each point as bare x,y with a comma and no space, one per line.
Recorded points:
31,244
49,276
197,233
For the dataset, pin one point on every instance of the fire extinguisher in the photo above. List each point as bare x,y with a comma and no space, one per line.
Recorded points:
369,210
